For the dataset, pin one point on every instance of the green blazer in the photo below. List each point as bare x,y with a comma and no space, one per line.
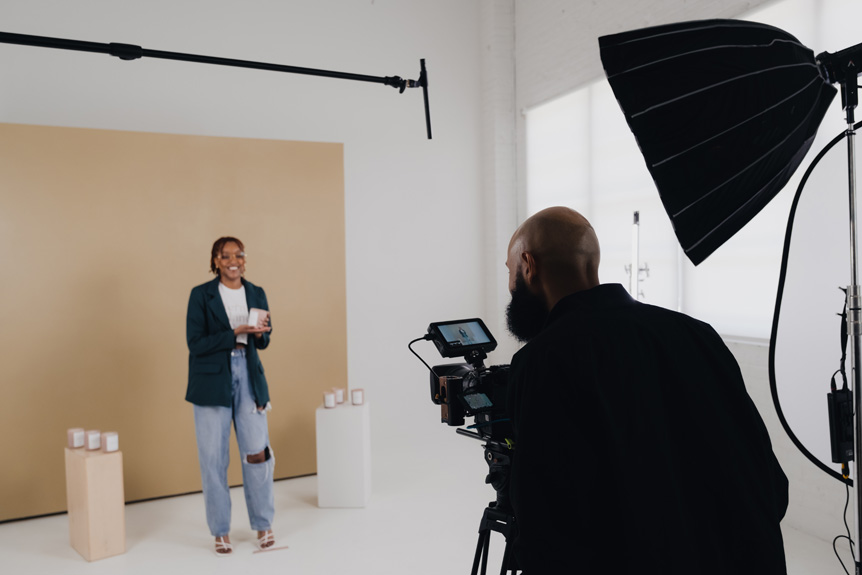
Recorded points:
211,339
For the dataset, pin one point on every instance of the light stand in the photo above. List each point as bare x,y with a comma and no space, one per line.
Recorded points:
840,67
854,327
634,269
133,52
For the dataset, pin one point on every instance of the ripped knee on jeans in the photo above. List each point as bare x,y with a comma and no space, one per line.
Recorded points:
261,457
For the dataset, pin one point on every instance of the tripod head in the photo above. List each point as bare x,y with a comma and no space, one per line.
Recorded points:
498,456
498,515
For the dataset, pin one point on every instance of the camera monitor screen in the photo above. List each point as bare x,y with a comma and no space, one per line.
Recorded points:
459,337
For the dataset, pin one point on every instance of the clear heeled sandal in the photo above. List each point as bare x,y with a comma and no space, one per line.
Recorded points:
222,547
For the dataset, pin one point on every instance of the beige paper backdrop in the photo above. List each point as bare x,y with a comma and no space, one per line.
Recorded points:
104,233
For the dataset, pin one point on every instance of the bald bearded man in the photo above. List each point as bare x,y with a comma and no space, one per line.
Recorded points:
637,447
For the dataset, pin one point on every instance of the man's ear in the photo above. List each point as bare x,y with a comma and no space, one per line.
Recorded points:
529,268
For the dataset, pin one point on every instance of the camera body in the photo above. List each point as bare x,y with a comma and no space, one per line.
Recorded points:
469,389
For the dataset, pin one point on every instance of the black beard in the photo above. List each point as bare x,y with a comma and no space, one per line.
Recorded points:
526,313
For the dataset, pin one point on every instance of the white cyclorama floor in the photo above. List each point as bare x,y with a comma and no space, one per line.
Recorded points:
422,519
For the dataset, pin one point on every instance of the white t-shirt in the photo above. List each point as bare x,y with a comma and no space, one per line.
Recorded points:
236,308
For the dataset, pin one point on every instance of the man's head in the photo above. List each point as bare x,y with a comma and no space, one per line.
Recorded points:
554,253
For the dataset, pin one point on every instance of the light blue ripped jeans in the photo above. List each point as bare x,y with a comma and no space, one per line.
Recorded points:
212,428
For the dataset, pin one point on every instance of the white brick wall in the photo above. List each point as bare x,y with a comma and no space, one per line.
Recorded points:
499,132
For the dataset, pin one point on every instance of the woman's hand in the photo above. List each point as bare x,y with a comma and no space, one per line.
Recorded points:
257,330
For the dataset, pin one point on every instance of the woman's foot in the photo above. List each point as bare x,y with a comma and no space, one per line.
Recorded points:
265,539
223,546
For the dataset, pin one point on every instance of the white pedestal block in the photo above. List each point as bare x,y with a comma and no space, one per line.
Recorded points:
343,455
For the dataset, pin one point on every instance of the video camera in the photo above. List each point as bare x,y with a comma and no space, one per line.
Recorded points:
469,389
472,390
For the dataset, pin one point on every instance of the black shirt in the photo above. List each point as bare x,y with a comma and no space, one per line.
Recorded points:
637,447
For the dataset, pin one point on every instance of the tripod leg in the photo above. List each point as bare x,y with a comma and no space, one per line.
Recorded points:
480,546
507,559
485,554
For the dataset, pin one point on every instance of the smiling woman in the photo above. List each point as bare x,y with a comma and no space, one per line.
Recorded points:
227,384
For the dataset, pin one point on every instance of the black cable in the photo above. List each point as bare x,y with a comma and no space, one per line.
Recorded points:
846,526
426,336
835,550
774,335
847,537
842,366
843,375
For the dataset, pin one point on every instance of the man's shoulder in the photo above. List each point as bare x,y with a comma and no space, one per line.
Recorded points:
661,317
610,317
606,301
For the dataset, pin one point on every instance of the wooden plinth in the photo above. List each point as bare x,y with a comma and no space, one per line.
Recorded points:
96,503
